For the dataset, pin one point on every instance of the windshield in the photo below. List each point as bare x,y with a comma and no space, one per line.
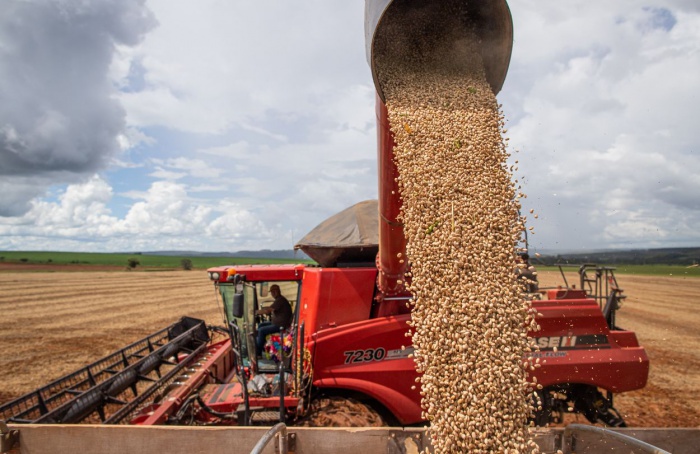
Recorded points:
256,296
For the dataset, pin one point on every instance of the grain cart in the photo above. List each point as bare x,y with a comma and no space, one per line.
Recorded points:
346,358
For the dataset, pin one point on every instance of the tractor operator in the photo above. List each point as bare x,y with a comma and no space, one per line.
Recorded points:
281,312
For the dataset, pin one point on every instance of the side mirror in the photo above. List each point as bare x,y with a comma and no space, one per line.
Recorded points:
238,305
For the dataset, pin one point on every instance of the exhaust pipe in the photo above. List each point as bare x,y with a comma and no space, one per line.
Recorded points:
399,28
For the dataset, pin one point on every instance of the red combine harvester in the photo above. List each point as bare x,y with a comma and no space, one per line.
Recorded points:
347,345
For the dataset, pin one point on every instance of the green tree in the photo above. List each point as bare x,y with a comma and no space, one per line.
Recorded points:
132,263
186,264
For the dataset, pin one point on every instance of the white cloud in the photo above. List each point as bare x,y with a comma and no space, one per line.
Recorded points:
605,118
58,121
219,189
194,167
132,138
80,211
240,150
264,132
237,223
213,64
167,209
163,174
165,216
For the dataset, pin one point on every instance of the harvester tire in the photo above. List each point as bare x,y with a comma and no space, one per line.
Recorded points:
340,412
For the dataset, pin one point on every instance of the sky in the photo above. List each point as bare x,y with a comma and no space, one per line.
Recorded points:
153,125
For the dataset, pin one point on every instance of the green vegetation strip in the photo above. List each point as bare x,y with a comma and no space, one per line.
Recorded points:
643,270
123,259
199,262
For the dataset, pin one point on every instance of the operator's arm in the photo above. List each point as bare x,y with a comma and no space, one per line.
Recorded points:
264,311
275,306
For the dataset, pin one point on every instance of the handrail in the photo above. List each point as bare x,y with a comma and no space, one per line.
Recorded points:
283,410
638,446
279,430
236,346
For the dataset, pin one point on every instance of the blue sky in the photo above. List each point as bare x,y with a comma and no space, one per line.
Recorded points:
221,126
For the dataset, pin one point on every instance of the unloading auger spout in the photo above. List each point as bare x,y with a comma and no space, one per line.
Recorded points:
399,28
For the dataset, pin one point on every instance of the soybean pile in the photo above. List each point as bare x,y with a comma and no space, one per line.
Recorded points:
461,219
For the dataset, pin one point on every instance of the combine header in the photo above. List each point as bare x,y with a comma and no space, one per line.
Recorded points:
110,390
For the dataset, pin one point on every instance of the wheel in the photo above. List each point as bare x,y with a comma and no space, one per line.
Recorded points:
340,412
597,408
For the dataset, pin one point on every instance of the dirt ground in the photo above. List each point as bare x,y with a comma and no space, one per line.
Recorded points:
55,322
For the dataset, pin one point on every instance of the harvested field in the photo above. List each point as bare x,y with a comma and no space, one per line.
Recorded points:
54,323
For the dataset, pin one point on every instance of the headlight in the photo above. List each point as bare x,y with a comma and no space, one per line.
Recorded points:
214,276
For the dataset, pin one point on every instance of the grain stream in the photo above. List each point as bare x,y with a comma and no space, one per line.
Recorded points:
461,219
